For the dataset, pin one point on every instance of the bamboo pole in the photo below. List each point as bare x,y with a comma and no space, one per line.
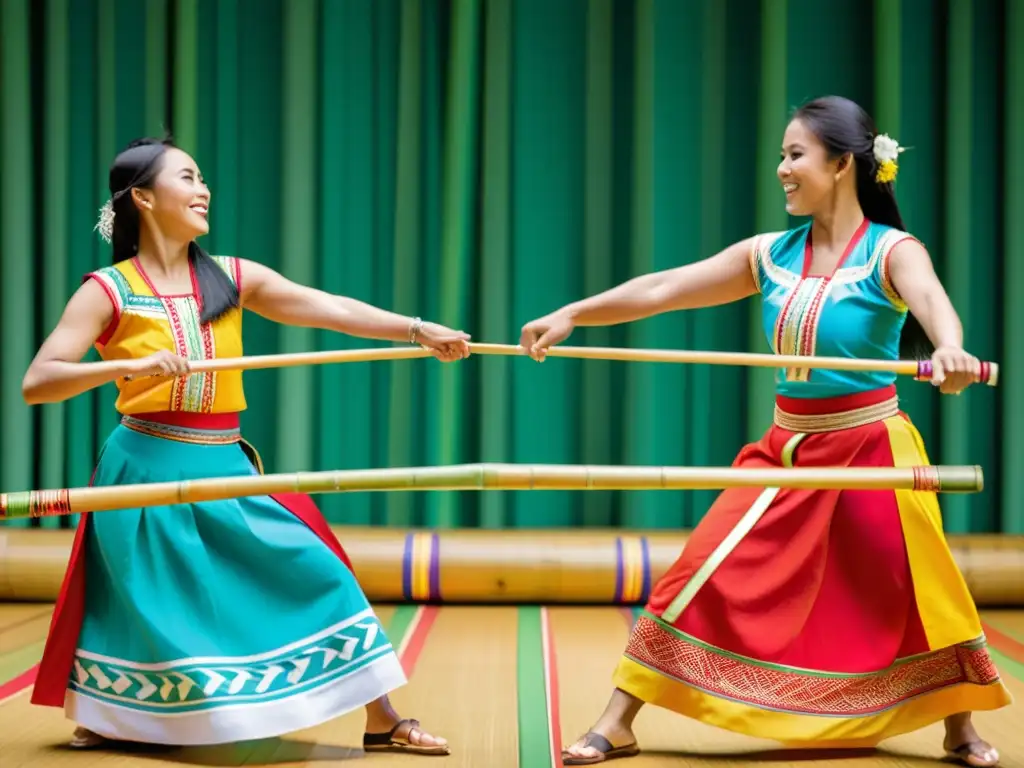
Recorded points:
285,360
919,369
479,477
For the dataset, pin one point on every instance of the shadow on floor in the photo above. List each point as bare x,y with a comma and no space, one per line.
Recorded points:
263,752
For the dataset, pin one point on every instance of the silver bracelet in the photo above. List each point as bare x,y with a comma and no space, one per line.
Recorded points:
414,329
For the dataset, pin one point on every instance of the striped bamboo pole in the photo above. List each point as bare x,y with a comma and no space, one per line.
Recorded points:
481,477
919,369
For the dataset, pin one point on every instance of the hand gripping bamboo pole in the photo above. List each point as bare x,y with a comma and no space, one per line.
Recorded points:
480,477
919,369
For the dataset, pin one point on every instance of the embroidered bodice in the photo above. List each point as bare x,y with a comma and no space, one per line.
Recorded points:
145,322
855,312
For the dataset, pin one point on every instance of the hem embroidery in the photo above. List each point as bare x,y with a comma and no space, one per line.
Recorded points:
675,655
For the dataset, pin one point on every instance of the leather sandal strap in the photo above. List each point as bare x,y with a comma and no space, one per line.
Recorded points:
598,742
379,739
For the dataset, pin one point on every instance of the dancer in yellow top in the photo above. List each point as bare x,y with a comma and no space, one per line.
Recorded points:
220,621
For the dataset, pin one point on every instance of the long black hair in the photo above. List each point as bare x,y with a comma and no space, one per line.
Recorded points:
844,127
136,166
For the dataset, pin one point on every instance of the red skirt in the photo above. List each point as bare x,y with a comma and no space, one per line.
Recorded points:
817,617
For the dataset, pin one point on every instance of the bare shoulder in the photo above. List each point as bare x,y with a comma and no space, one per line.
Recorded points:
253,268
250,267
246,274
908,253
739,251
90,311
252,276
746,244
93,299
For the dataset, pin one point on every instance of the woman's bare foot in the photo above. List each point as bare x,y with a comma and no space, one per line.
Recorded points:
385,730
612,735
963,743
601,743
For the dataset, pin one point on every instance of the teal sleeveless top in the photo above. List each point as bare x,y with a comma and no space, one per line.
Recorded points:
853,313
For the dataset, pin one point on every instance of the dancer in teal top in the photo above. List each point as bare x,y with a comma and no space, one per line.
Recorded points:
815,618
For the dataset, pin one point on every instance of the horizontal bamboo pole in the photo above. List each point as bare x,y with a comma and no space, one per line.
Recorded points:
283,360
291,359
919,369
552,566
480,477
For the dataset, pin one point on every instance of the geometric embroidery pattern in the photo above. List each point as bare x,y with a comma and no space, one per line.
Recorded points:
188,684
796,329
193,341
779,688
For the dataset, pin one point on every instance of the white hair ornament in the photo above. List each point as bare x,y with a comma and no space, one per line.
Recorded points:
887,151
105,223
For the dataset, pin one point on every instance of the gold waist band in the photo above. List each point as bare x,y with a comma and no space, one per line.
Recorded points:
831,422
183,434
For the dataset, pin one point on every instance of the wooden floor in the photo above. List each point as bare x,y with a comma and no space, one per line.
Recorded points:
486,678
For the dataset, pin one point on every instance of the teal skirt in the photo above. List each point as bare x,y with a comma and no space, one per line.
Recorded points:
219,621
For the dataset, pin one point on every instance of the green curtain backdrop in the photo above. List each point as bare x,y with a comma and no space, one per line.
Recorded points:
481,162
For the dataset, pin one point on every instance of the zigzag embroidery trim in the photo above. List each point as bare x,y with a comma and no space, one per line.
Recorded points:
191,683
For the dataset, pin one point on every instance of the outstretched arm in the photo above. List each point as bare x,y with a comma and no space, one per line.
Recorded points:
914,278
720,279
275,297
57,373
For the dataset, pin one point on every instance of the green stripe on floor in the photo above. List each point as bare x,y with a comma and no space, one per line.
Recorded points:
1006,665
1003,626
400,622
534,732
14,663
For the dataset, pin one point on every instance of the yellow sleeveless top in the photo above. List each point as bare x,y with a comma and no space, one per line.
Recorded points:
145,322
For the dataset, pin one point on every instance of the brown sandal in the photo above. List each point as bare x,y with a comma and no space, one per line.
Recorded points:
602,745
964,751
388,742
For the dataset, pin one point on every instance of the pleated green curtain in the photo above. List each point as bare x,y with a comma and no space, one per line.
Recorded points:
481,162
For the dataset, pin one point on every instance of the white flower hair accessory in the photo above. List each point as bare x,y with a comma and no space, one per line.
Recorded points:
887,151
105,223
